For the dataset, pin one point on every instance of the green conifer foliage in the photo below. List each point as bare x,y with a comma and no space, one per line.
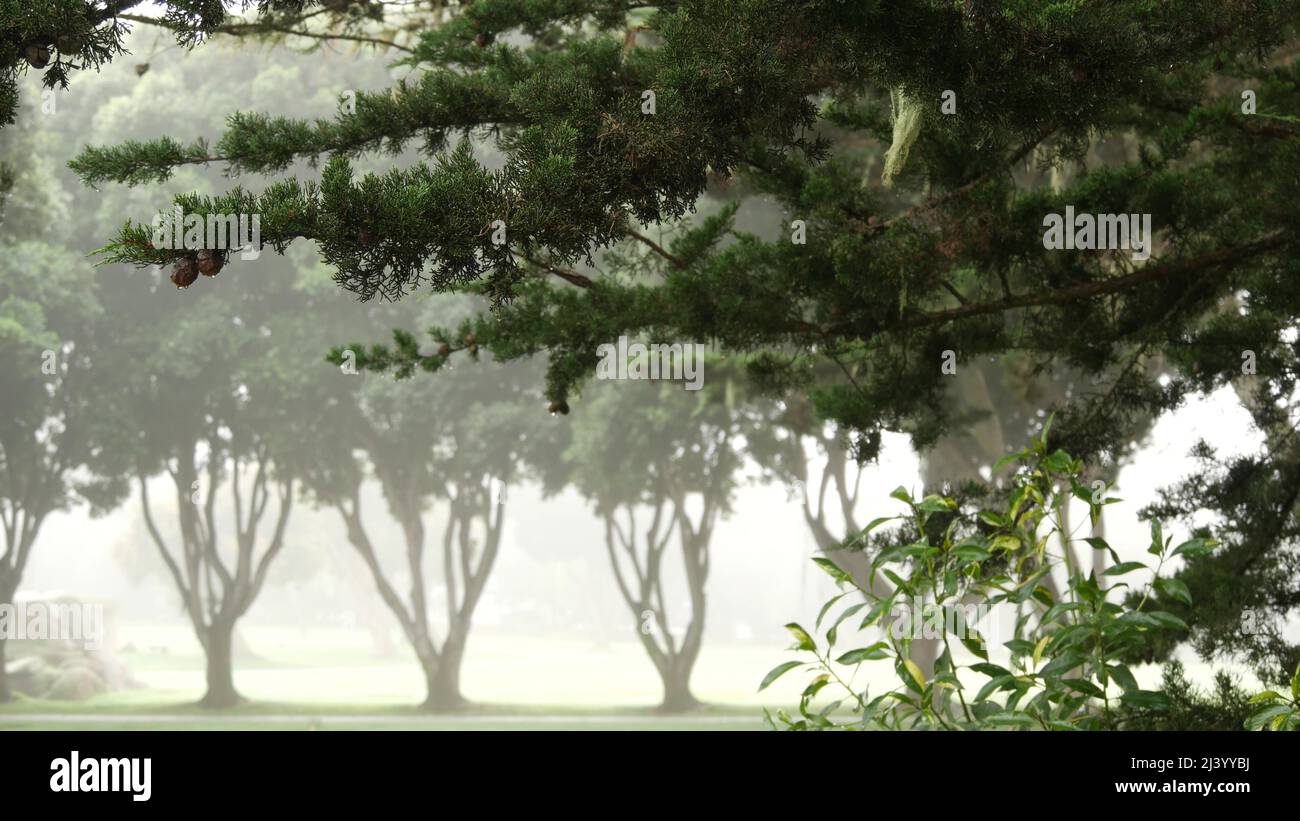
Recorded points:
613,119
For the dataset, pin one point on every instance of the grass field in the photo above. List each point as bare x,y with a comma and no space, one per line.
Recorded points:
152,710
328,679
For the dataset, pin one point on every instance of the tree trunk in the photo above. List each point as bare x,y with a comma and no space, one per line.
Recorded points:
677,689
442,679
6,597
5,693
219,648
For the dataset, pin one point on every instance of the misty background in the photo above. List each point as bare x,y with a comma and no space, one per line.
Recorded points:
552,627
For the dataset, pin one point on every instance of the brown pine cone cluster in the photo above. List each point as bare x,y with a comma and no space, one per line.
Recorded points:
37,55
186,268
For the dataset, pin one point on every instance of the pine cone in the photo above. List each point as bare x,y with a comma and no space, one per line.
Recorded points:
185,270
471,340
69,43
444,350
211,262
37,55
560,407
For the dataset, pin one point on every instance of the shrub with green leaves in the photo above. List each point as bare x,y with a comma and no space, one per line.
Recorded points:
1064,666
1277,711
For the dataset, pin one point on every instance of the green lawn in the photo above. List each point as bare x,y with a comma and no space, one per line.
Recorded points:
667,725
325,678
116,712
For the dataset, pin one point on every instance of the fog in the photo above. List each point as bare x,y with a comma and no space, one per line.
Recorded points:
551,627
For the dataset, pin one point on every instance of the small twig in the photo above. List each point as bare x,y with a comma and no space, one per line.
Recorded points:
658,249
580,280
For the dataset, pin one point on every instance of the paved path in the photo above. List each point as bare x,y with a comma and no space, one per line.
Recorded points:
172,718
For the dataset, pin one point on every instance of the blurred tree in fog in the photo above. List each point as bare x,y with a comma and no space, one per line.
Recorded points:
213,390
660,464
54,383
451,447
218,391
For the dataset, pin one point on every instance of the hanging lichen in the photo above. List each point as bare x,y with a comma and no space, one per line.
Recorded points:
906,113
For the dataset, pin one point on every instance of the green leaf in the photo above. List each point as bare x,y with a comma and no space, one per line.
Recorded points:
1062,664
848,611
1059,609
1157,538
1124,567
1267,695
995,684
1102,544
992,519
815,686
1059,462
875,612
1168,620
1067,637
1080,685
827,606
1174,589
1039,648
991,670
778,671
1195,547
875,652
900,493
1259,720
915,672
898,580
936,504
1026,588
873,524
1011,720
1124,677
1005,541
1008,459
1043,595
833,570
803,641
1019,647
972,553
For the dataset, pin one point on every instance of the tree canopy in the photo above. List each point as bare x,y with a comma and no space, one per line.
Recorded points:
615,120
